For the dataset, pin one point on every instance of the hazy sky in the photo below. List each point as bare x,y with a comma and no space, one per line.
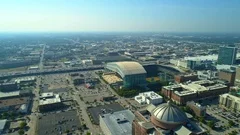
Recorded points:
120,15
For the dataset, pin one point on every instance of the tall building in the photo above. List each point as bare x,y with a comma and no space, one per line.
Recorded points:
227,55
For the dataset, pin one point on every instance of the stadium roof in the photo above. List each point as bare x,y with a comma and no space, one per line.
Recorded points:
126,68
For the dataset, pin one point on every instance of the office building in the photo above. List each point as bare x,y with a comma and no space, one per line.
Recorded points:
149,98
132,73
229,102
227,55
237,77
117,123
227,75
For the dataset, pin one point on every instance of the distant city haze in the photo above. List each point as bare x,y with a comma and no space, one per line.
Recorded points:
218,16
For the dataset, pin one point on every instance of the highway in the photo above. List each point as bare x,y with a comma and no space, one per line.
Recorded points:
46,72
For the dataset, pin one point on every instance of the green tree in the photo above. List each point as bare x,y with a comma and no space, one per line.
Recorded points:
21,132
230,123
201,119
210,124
88,133
22,124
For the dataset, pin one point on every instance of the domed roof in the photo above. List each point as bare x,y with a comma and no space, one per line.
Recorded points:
169,113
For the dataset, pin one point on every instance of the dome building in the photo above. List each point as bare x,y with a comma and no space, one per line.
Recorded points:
165,119
168,116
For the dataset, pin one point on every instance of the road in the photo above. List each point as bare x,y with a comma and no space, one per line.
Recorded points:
34,112
42,58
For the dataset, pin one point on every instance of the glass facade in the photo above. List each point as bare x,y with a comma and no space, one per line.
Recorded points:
134,80
227,55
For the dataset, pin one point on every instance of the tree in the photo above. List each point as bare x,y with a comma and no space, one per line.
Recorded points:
21,132
210,124
230,123
201,119
22,124
88,133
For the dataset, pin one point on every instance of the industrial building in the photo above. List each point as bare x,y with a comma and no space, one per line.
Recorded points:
229,101
227,55
49,101
132,73
182,93
117,123
149,98
165,119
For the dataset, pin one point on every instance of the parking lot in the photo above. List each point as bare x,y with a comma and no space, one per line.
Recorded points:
95,111
58,123
222,119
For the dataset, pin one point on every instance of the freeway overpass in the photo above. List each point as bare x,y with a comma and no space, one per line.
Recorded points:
46,72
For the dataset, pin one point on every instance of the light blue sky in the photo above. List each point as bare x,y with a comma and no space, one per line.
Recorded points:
120,15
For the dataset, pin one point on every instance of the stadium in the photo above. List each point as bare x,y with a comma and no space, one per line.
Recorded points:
132,73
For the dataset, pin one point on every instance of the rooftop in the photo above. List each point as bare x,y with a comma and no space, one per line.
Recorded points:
14,101
50,100
126,68
150,94
9,94
2,124
46,95
119,123
227,95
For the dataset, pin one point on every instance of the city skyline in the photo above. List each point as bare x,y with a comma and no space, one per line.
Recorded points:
214,16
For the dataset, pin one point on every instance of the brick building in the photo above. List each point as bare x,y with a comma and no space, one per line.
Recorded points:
182,93
185,78
227,75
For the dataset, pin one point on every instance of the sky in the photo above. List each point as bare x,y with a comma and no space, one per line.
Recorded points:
217,16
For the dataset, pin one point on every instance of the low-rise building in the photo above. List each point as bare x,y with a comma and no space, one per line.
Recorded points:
182,93
117,123
229,101
49,101
227,75
185,78
149,98
31,79
198,109
15,104
10,86
207,75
